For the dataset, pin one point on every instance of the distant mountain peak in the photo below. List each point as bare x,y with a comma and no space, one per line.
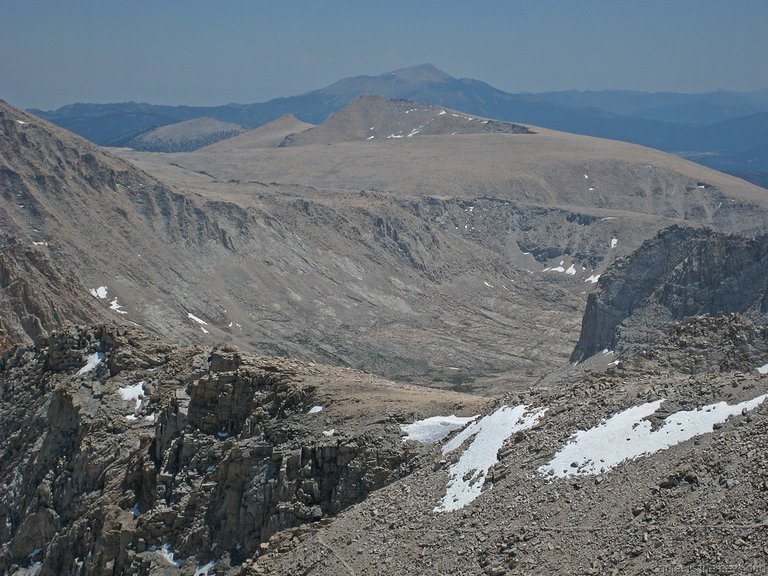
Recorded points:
423,72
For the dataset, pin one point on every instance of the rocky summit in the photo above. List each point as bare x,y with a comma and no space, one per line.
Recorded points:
354,348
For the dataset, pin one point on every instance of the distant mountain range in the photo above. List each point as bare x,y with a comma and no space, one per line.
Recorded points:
723,130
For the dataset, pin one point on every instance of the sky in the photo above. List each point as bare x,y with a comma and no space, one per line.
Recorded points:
195,52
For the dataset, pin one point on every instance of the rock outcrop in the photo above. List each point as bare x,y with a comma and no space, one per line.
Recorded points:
682,272
120,452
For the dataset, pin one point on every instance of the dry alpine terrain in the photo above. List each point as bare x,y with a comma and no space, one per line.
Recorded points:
257,357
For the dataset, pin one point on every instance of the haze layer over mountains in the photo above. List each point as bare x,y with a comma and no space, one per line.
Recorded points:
723,130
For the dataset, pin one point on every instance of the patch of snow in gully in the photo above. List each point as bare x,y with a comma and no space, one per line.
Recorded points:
135,392
431,430
196,319
100,292
91,362
627,435
467,476
116,307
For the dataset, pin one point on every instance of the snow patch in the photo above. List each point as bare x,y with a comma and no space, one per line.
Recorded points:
315,409
116,307
628,435
467,476
135,392
330,432
487,284
166,553
91,362
20,122
763,369
196,319
203,570
430,430
614,241
594,278
559,268
571,270
100,292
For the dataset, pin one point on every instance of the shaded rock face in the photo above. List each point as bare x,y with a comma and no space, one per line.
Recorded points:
681,272
206,453
35,297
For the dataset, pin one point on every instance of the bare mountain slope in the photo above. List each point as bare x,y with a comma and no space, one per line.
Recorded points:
268,136
546,168
185,136
35,298
370,117
99,219
453,260
554,207
349,278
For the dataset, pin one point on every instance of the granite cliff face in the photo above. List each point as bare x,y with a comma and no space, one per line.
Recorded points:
681,272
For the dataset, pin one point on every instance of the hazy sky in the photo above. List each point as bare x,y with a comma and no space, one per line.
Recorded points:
203,52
